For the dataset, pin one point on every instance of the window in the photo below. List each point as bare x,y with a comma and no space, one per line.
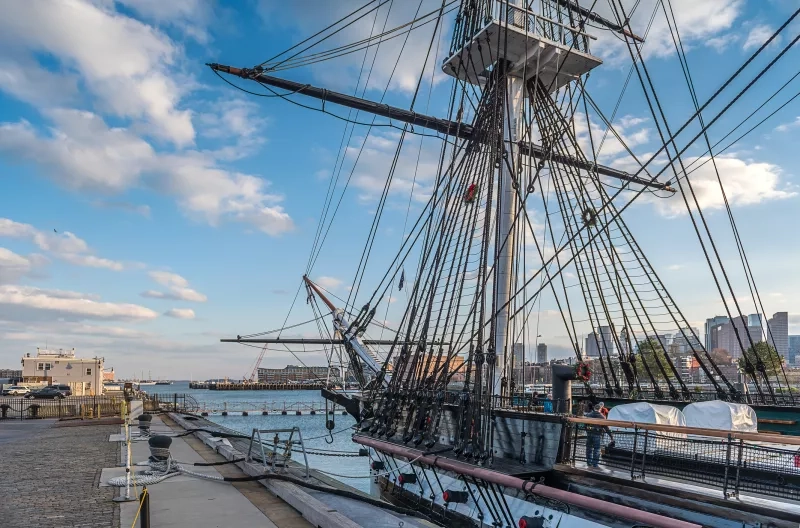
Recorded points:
40,367
48,366
88,372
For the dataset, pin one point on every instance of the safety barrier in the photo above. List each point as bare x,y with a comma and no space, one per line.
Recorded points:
730,461
21,408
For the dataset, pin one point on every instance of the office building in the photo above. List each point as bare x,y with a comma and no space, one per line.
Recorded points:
591,350
518,350
296,374
541,353
754,320
794,349
779,333
735,335
711,324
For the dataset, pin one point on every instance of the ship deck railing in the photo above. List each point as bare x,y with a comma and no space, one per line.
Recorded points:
781,396
731,462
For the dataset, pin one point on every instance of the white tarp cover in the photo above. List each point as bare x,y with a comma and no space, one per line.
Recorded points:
721,415
648,413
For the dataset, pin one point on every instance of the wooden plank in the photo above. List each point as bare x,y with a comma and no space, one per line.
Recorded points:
776,422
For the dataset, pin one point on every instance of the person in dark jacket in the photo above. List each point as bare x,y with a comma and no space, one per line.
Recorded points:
594,436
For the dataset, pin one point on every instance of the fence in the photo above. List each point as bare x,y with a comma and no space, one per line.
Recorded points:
171,402
731,462
70,407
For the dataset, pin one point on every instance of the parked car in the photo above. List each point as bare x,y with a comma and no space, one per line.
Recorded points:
65,390
47,393
16,390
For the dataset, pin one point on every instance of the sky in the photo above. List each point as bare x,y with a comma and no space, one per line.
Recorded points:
148,209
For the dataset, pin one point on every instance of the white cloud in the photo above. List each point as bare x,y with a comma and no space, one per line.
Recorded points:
722,42
785,127
66,304
180,313
65,246
746,183
758,35
82,152
13,266
675,267
189,16
697,22
178,288
329,283
342,72
129,66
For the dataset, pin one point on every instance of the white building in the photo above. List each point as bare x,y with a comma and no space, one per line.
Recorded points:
84,376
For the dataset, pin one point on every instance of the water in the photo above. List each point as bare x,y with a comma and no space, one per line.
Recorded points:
312,427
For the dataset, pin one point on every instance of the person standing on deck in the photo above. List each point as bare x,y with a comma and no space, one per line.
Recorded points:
594,436
548,404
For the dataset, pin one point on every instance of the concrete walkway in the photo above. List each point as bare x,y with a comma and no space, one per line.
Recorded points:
185,500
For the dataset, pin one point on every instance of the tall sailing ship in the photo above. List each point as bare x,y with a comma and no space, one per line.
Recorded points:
520,209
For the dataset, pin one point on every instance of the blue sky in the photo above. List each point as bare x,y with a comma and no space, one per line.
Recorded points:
148,209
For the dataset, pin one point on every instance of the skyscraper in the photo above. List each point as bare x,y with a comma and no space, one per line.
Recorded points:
711,324
735,336
754,320
519,354
606,343
541,353
779,332
794,348
591,350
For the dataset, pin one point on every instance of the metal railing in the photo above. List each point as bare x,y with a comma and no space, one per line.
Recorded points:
476,15
174,402
728,461
782,397
20,408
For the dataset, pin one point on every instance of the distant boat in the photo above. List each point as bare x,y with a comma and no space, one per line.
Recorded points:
146,382
164,382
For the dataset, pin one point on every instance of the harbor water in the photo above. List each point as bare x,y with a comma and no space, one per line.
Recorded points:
312,427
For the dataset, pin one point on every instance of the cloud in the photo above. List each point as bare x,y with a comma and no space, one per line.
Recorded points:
82,152
722,42
329,283
130,67
178,287
13,266
378,153
342,72
697,21
759,35
180,313
676,267
746,183
189,16
65,246
21,301
785,127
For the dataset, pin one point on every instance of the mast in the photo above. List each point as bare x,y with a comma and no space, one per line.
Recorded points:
506,239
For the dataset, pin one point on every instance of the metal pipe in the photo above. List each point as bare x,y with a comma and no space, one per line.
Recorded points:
580,501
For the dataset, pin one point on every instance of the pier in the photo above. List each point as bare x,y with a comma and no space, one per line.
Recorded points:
246,408
236,386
